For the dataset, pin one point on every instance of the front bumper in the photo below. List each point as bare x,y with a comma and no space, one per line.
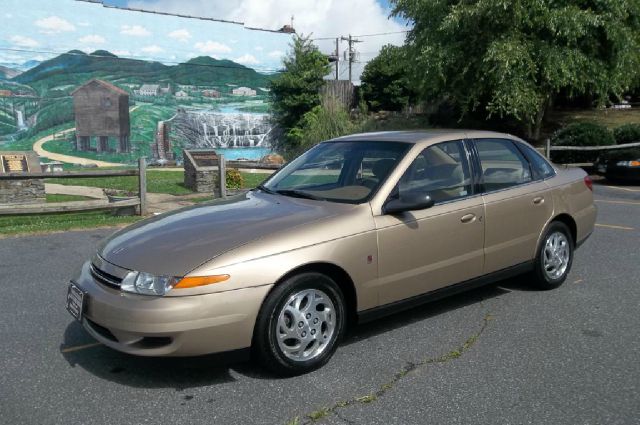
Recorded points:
170,326
631,174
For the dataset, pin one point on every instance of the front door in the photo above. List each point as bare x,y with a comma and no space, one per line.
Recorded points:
421,251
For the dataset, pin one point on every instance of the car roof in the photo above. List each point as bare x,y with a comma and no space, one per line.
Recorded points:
420,136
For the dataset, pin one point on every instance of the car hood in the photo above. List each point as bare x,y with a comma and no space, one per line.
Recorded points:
174,244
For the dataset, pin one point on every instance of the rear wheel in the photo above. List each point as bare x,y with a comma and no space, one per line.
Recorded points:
555,256
299,324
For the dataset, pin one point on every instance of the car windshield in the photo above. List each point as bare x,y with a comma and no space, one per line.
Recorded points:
348,172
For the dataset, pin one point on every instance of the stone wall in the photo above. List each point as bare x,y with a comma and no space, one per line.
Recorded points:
22,191
200,179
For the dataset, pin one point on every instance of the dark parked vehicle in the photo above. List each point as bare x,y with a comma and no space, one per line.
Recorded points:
623,166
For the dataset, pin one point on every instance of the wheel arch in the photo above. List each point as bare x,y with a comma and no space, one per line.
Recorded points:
570,223
339,276
564,218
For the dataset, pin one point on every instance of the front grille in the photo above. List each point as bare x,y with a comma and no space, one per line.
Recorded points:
105,278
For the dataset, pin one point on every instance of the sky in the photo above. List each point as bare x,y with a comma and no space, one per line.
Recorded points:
318,18
36,29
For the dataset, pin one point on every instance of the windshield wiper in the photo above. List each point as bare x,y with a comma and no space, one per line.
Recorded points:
300,194
265,189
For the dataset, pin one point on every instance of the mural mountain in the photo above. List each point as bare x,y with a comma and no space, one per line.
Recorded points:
76,67
82,81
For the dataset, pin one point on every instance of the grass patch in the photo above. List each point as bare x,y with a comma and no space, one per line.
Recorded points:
13,225
171,182
318,414
610,118
53,198
251,180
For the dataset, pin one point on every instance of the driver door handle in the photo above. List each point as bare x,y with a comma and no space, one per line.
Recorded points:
468,218
538,200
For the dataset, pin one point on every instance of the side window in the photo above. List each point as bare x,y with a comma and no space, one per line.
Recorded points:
541,167
441,171
503,165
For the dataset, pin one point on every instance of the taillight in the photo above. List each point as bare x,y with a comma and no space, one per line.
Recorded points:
588,182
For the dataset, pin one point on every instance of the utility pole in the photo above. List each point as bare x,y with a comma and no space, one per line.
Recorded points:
337,56
352,52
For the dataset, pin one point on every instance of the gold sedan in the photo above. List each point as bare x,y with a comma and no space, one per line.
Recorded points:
355,228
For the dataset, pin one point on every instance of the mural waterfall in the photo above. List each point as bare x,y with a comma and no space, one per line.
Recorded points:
97,82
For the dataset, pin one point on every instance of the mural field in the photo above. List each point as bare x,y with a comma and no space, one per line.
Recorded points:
88,81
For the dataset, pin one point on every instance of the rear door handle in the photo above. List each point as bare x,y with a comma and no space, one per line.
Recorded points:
468,218
538,200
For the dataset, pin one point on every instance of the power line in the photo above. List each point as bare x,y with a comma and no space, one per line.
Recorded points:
363,35
383,33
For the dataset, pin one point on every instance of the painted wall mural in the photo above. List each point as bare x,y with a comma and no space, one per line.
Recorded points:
84,80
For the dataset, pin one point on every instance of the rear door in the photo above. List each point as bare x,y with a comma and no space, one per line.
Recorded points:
517,204
421,251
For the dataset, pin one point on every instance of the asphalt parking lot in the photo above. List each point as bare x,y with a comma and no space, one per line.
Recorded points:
501,354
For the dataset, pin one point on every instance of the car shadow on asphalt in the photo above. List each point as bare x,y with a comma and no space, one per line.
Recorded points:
179,373
183,373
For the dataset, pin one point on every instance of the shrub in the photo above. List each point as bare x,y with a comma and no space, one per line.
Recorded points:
234,179
323,122
628,133
580,134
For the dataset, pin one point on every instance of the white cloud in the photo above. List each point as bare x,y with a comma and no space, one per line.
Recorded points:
212,47
122,53
152,49
54,25
247,59
322,18
258,48
83,24
21,41
276,54
181,35
92,39
134,30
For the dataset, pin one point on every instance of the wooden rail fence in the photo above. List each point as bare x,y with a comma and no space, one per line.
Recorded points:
140,201
549,148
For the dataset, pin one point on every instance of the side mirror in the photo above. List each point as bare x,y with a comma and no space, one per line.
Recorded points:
408,202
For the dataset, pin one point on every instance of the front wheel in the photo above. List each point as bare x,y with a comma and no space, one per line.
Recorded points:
555,256
299,324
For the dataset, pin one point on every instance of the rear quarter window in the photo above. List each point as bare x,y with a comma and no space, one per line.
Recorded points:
540,166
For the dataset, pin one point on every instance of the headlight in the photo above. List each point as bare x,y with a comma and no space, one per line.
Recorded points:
628,163
147,284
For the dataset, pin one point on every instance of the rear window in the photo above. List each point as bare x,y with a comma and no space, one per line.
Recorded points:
503,165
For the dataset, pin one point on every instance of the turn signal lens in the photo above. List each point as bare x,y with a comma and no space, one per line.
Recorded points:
588,182
194,281
628,163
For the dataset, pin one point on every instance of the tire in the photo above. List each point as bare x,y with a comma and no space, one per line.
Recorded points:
300,324
552,265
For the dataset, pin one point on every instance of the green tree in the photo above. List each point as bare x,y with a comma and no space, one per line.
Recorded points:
385,81
511,57
296,90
